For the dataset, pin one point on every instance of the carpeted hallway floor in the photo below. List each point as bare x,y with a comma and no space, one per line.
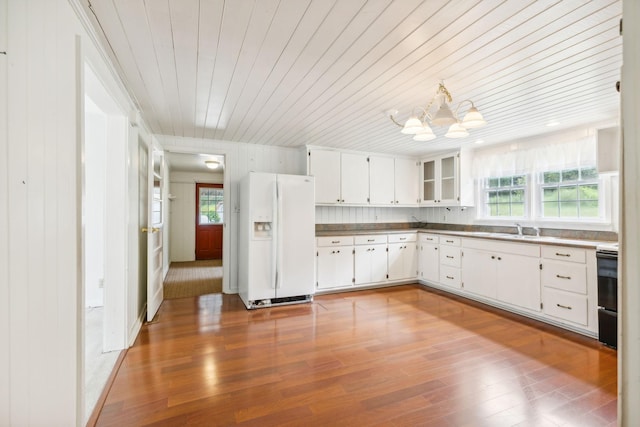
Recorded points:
193,278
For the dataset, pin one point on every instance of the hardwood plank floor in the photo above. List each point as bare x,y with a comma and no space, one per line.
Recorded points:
400,356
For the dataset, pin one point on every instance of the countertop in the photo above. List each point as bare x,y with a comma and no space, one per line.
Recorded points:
505,237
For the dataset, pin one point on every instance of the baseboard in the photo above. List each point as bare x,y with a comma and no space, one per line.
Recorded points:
135,328
95,414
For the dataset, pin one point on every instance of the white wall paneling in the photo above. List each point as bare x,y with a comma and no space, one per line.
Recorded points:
182,228
43,218
95,151
354,215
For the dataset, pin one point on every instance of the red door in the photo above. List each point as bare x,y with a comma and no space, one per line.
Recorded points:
209,219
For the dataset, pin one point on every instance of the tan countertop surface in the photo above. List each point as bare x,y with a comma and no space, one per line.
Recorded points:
505,237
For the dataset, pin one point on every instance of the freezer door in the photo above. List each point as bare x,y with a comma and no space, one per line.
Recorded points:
261,245
295,231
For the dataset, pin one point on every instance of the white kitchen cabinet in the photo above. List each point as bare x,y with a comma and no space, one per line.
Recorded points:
428,257
334,266
450,255
479,273
505,272
354,179
393,182
324,165
406,180
569,286
341,178
402,260
381,181
446,180
370,259
518,280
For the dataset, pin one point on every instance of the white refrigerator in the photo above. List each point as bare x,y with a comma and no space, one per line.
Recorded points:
277,239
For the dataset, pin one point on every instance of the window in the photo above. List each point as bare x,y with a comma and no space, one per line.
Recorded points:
211,204
570,193
506,196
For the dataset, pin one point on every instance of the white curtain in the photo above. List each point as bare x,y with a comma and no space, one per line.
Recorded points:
514,159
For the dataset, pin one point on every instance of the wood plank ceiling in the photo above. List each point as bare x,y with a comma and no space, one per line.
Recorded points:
323,72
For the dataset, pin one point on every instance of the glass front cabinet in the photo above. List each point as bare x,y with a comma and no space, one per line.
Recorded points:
443,183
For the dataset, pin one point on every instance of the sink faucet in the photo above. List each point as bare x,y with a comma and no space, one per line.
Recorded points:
537,230
519,229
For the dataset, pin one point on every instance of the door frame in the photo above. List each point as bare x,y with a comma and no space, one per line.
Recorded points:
231,209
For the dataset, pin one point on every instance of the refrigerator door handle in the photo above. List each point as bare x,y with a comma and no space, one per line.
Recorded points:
279,237
274,239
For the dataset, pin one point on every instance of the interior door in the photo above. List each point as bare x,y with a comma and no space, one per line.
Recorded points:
209,220
155,288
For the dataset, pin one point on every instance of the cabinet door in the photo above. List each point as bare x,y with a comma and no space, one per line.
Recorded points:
362,264
448,180
395,264
479,272
354,182
381,180
518,280
429,185
378,256
410,261
324,165
406,182
335,267
429,263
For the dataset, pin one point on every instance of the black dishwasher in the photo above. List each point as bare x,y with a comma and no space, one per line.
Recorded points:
607,259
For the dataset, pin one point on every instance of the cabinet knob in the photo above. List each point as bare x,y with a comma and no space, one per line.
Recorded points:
493,257
499,259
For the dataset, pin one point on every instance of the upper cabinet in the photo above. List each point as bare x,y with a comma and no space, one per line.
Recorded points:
356,179
393,181
446,181
341,178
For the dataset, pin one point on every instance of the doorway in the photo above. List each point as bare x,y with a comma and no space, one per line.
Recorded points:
103,237
197,235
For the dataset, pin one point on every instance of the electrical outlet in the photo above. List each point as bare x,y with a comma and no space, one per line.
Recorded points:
101,283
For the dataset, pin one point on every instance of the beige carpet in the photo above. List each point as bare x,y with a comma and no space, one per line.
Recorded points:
194,278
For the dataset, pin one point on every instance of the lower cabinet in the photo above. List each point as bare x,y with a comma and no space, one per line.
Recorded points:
370,259
402,262
428,257
505,272
334,266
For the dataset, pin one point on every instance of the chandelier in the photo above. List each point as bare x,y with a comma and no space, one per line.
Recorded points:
418,126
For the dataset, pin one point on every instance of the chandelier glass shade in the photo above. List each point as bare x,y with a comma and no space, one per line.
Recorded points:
418,124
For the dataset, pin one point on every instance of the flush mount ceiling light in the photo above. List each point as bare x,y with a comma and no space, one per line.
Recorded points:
212,164
418,126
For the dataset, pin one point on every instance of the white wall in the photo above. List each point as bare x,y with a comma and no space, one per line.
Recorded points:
183,212
44,130
240,158
40,209
94,209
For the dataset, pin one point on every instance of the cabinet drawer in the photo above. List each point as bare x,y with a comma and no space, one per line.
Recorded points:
562,253
450,240
566,276
450,255
450,276
565,305
428,238
402,238
371,239
335,241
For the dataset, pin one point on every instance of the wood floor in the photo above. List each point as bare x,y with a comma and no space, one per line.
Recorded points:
401,356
